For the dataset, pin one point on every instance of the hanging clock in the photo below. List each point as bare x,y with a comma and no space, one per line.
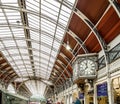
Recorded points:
85,66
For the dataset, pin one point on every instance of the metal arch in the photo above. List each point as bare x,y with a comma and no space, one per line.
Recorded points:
63,66
64,57
64,45
31,12
116,6
28,55
96,33
30,28
32,40
18,60
58,68
11,80
13,47
92,27
80,42
6,74
3,65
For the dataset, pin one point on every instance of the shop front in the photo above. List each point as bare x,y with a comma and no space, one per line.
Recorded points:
116,90
102,93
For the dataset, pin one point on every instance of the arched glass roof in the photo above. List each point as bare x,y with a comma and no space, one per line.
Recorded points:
31,32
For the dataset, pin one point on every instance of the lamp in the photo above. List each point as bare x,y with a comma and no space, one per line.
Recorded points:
68,46
54,73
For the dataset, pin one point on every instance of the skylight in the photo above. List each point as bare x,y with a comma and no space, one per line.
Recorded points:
30,36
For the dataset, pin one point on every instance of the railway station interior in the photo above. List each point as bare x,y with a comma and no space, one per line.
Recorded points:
59,50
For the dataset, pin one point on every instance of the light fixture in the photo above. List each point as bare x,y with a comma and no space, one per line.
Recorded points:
54,73
68,45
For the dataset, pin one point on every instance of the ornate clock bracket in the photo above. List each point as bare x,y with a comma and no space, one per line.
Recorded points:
87,83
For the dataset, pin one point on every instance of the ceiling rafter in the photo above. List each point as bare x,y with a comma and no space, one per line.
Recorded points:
34,41
79,41
24,21
9,76
33,13
92,27
116,6
63,66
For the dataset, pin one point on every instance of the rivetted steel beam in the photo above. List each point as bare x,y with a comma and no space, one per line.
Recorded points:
11,80
58,68
22,47
92,27
64,66
32,40
80,42
7,75
31,12
116,6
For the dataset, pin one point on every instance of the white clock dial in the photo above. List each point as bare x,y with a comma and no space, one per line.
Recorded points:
87,67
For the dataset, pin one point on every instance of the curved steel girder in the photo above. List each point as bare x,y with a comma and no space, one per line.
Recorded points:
58,68
22,47
64,66
13,47
18,60
5,64
6,71
60,82
80,42
116,6
92,27
94,30
33,13
64,45
29,80
30,28
11,80
7,75
96,33
28,55
41,67
32,40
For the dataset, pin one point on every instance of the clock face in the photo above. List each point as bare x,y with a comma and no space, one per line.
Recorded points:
87,67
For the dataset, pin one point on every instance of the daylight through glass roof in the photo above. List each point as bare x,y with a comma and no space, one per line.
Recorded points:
31,32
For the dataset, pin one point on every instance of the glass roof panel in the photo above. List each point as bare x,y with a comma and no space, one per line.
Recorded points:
32,5
31,40
9,43
21,43
2,17
36,88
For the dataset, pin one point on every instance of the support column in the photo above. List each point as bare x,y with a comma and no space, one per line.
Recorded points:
110,94
95,94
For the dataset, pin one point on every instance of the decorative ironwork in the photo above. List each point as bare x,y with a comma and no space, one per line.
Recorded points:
101,62
114,53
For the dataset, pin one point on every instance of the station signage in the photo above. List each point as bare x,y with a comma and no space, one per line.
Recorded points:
102,89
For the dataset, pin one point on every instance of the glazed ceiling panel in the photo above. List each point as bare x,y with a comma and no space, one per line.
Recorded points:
31,33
